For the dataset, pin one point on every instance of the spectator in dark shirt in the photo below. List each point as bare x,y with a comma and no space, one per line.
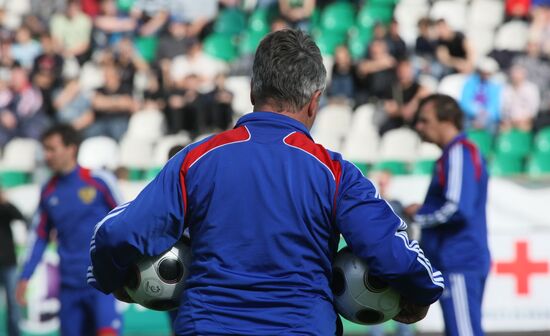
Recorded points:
8,262
453,49
425,43
184,105
46,72
406,94
175,43
153,95
424,58
218,113
112,106
396,45
342,85
375,74
128,63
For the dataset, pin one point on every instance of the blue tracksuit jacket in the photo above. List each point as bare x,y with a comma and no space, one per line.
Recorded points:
72,204
265,206
453,217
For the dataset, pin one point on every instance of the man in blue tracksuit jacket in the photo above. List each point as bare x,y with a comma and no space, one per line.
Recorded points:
453,216
265,206
71,203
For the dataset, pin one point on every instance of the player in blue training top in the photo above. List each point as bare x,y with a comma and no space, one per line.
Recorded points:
265,207
453,218
71,203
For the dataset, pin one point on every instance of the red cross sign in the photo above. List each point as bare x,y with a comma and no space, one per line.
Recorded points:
522,268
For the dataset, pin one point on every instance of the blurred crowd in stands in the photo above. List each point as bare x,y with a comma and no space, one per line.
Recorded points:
95,63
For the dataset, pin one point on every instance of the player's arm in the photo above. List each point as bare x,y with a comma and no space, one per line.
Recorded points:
148,225
375,233
40,238
459,189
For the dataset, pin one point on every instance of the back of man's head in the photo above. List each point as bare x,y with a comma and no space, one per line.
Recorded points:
288,69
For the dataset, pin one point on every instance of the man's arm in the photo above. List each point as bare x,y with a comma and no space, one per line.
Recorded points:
149,225
40,238
460,185
42,226
375,233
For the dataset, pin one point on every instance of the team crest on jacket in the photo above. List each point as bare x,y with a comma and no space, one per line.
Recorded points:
87,194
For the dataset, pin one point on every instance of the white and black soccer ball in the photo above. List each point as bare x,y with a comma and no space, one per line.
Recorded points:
157,282
359,296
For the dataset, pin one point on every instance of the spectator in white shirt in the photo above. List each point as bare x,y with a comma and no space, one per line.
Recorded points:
520,101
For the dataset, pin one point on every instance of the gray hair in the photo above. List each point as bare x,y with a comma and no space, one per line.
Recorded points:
288,69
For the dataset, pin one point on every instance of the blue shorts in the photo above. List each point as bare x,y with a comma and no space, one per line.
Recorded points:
461,303
86,311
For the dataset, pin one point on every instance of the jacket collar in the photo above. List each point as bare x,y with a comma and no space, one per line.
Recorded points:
273,118
461,136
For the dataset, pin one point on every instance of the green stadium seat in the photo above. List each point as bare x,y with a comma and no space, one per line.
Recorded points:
514,143
315,20
260,20
140,321
249,42
539,165
423,167
369,15
383,2
362,166
147,47
327,42
338,17
394,167
230,21
13,178
482,139
152,173
542,141
358,41
506,165
135,174
125,5
220,46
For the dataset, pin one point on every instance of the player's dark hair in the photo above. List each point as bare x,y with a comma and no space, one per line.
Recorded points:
446,109
288,69
69,135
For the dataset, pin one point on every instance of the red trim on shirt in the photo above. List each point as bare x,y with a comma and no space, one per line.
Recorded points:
183,190
86,175
107,331
50,187
41,229
235,135
301,141
476,157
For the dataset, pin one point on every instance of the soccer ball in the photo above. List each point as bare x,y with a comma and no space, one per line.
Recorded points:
359,296
157,282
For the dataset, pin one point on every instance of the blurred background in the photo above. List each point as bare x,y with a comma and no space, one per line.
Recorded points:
140,76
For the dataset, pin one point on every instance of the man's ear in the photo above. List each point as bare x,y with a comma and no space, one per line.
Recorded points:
252,100
313,105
